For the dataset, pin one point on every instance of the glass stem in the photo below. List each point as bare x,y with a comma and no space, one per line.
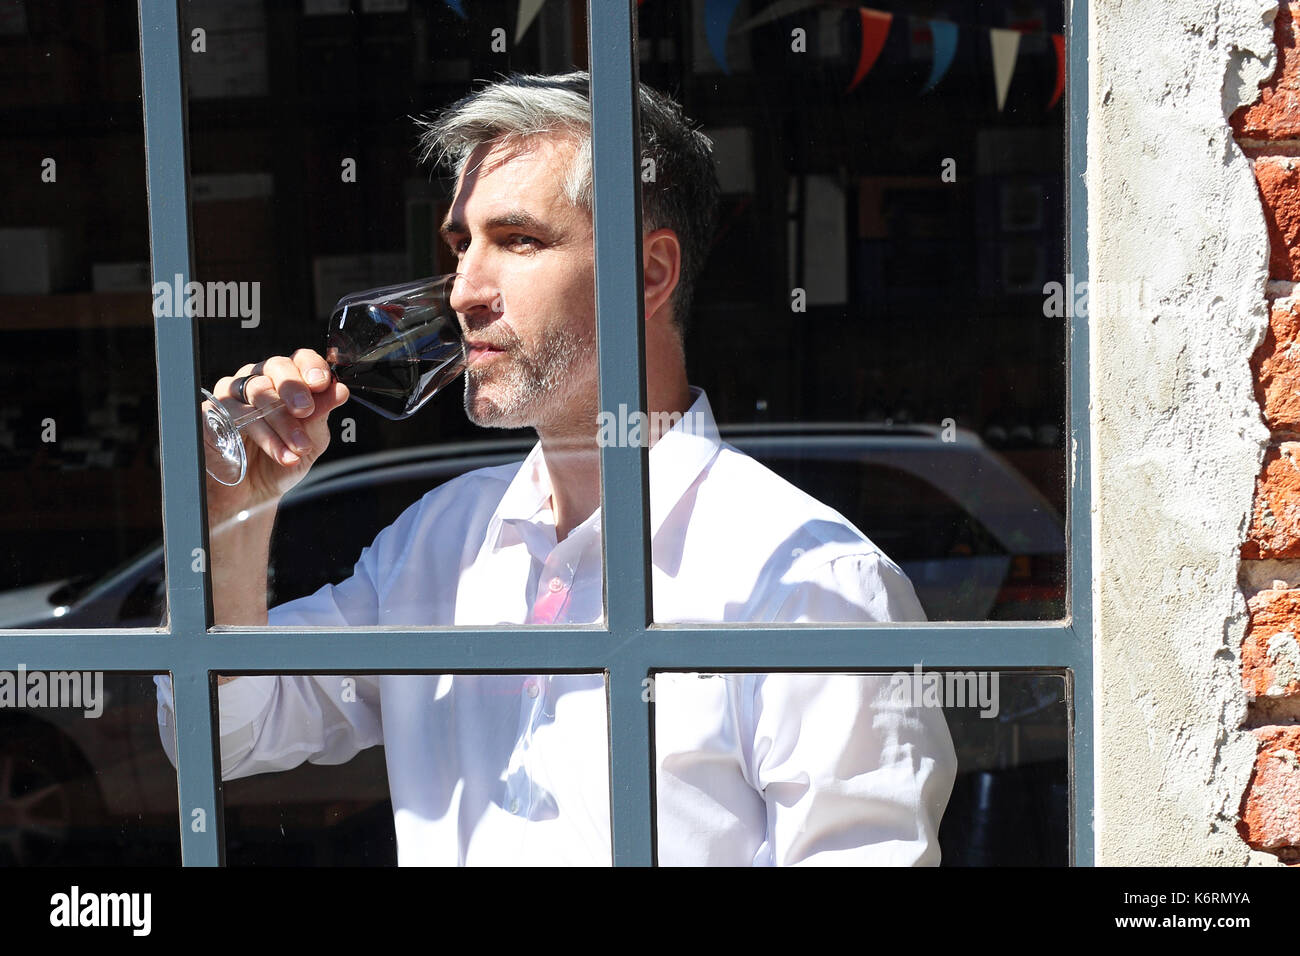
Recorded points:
257,414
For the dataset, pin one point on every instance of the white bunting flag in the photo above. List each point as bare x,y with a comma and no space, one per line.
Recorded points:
1005,43
528,10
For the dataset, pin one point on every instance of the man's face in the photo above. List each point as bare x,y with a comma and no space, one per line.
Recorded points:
527,303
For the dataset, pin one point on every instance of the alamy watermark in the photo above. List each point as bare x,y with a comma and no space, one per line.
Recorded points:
1068,299
946,689
77,908
74,690
636,428
918,688
209,300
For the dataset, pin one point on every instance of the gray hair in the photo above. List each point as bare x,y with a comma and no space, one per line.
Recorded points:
681,195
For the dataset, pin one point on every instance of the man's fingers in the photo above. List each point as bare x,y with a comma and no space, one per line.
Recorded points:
288,382
267,440
301,427
314,369
334,395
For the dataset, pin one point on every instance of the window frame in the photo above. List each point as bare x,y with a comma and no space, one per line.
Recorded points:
630,647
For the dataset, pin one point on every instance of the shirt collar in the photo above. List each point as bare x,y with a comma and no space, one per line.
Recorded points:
675,461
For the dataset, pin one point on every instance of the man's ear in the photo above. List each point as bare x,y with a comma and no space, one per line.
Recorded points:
661,263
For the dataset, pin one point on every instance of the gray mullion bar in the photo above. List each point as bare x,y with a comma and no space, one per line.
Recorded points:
620,325
196,757
169,237
631,771
164,127
1080,451
620,318
539,650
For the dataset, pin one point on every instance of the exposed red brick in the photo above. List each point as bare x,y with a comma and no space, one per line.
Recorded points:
1275,519
1270,653
1279,190
1276,365
1270,810
1276,114
1270,807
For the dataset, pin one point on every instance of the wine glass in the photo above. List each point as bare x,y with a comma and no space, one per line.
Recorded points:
394,348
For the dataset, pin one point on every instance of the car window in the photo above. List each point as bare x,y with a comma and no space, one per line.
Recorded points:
906,516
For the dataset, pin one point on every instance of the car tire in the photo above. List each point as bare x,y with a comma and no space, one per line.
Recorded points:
51,810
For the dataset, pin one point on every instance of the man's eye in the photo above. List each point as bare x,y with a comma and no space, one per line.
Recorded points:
459,246
524,241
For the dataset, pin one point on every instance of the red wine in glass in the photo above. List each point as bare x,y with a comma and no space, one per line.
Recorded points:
394,348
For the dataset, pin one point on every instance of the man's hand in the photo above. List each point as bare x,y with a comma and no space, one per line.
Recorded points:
281,448
284,445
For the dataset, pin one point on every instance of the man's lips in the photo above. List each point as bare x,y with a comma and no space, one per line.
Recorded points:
481,351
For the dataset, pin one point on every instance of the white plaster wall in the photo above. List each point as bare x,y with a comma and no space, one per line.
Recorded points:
1176,430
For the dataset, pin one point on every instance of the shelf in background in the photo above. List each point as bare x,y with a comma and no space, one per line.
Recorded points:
86,499
76,310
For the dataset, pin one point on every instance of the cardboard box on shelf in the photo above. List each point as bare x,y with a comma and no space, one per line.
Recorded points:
232,216
323,8
231,65
335,276
225,16
426,207
13,19
120,277
36,261
218,187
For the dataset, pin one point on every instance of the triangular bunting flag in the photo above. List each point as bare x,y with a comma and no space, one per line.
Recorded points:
717,19
1058,41
528,10
945,48
1005,43
875,28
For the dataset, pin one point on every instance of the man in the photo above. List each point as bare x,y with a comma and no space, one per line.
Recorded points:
752,769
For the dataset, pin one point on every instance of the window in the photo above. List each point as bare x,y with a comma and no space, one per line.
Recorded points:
1042,641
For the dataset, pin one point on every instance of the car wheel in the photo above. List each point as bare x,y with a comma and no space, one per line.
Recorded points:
48,797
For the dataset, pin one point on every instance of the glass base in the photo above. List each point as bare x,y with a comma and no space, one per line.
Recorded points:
225,458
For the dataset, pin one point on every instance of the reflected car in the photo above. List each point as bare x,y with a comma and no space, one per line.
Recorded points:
977,540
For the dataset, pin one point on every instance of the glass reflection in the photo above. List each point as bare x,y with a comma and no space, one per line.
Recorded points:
878,321
503,769
79,470
84,775
913,767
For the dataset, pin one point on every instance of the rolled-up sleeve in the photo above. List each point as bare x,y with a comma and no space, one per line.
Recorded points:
277,722
849,774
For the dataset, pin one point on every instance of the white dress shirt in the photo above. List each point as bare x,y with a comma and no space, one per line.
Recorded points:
513,769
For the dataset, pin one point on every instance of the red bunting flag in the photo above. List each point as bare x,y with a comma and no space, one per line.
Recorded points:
1058,41
875,28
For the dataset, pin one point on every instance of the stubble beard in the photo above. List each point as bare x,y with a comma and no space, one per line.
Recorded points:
523,389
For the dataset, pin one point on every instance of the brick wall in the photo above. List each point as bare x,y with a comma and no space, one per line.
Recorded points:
1269,133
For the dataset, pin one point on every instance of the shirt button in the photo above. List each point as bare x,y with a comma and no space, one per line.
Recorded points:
531,688
556,584
514,806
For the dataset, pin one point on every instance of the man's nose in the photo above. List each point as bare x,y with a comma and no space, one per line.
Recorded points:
473,297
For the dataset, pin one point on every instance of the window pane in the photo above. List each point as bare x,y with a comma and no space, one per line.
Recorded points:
967,768
417,769
79,428
874,323
310,182
84,776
